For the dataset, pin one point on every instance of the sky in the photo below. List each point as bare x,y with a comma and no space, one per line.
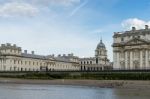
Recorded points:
69,26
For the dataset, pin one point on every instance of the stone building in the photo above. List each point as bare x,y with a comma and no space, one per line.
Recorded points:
131,49
99,62
13,59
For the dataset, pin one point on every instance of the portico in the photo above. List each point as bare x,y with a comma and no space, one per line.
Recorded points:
131,49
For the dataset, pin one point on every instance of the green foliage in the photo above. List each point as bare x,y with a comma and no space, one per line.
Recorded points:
80,75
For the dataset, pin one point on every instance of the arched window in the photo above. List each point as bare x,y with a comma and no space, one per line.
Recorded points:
87,62
90,62
96,60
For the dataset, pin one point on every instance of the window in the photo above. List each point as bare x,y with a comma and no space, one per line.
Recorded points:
128,36
25,62
133,37
87,62
122,39
90,62
96,60
14,61
100,53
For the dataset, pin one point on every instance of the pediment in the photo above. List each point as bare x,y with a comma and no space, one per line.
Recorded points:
137,41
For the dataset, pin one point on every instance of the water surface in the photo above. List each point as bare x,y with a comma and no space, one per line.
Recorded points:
25,91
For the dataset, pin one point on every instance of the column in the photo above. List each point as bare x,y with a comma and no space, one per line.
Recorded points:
126,60
131,61
141,60
146,59
0,64
118,62
115,60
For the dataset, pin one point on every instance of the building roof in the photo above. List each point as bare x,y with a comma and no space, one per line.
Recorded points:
61,59
33,56
90,58
100,45
132,32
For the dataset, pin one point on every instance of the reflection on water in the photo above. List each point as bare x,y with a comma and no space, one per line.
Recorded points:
22,91
132,93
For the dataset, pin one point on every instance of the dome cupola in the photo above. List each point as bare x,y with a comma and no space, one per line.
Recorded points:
101,45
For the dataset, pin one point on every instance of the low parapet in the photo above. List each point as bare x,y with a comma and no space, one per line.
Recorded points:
9,46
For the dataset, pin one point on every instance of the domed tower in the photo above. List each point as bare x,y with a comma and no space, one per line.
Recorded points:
101,53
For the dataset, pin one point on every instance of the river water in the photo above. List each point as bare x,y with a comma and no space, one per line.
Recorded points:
25,91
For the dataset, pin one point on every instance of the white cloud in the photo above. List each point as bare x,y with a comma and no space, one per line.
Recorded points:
63,2
11,8
52,2
17,9
139,24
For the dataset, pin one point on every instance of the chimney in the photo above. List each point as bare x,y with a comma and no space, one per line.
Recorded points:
32,52
14,45
133,28
25,51
19,48
71,54
146,27
8,44
115,33
2,45
53,55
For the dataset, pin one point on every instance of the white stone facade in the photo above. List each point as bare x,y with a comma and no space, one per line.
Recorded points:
13,59
131,49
